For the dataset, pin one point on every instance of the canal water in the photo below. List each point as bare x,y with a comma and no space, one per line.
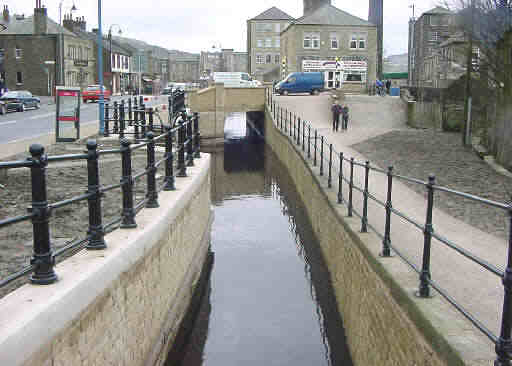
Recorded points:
268,300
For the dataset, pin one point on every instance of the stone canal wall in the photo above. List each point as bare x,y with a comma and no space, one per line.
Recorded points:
122,305
383,327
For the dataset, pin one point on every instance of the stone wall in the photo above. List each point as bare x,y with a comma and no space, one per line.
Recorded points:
122,305
382,325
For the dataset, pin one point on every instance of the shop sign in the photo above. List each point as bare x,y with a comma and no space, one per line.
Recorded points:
325,65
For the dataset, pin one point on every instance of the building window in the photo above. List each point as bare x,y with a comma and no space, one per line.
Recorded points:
277,42
353,43
434,36
357,42
334,41
268,42
264,27
80,54
2,54
277,59
362,43
268,59
312,40
277,27
18,52
19,78
259,58
259,43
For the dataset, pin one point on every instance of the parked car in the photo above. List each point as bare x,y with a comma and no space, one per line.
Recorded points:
18,101
92,93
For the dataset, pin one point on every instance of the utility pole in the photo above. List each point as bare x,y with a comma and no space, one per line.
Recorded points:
466,135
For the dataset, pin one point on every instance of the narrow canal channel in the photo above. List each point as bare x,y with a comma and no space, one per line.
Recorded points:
268,300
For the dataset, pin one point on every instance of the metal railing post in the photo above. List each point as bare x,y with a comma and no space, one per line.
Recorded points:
504,343
329,180
169,156
351,188
197,150
190,140
182,167
340,180
128,220
364,218
130,112
151,121
107,120
42,258
298,131
424,288
303,136
96,231
294,123
321,155
309,141
142,117
136,123
291,122
386,242
285,124
121,120
115,129
315,148
152,193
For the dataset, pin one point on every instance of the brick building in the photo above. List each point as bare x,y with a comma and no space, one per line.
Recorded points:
38,54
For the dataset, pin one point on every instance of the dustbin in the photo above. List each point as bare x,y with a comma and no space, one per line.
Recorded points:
395,92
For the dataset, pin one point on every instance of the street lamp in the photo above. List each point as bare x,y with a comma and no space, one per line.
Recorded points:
100,74
110,43
73,8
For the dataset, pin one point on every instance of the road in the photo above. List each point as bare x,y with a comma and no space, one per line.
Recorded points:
17,126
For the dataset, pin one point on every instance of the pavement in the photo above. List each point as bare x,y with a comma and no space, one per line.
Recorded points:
477,290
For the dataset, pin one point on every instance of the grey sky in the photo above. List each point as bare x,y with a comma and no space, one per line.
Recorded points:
196,25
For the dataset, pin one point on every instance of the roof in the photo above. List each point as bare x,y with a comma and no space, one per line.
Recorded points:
438,10
331,15
26,26
273,14
116,48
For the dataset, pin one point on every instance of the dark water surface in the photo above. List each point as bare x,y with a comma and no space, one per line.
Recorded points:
268,300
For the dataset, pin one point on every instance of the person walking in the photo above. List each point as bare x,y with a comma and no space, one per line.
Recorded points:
336,111
388,86
344,114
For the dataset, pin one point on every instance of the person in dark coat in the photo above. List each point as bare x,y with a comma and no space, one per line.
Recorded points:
388,85
336,111
344,115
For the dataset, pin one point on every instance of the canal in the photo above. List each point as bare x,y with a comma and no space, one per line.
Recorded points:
268,298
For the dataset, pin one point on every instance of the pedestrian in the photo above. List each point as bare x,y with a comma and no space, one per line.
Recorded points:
344,114
336,111
388,85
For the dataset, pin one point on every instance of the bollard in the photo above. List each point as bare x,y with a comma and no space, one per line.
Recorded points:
424,288
321,155
386,242
504,343
151,193
42,259
107,120
190,140
128,220
329,180
351,187
315,148
340,180
182,168
309,141
115,129
169,161
121,120
96,232
364,218
197,148
151,111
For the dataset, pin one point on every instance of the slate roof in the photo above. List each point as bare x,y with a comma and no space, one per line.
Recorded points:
116,48
438,10
26,26
273,14
331,15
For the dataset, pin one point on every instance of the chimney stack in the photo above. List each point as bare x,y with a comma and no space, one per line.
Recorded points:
40,19
311,5
5,14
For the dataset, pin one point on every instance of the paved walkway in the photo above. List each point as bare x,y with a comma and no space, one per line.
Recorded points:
479,291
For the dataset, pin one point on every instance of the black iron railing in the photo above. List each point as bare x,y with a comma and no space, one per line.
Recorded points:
338,164
181,140
132,117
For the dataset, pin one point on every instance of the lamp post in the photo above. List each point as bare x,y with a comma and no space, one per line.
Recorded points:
100,74
110,45
73,8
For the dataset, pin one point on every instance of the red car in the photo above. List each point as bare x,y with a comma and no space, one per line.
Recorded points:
93,93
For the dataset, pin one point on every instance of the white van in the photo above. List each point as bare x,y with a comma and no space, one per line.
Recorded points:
235,79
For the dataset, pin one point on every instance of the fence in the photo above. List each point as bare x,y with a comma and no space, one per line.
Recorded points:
332,163
182,139
132,117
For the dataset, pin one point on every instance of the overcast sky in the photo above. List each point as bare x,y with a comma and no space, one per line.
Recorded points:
197,25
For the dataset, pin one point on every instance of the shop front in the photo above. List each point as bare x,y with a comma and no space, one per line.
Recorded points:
339,74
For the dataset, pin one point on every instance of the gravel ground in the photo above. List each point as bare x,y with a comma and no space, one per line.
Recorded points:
64,180
418,153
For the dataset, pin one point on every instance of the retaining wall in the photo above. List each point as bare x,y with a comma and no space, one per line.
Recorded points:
122,305
382,325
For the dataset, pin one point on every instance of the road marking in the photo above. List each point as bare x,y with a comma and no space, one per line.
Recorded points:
42,116
8,123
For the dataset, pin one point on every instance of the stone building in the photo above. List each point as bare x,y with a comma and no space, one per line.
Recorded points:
426,34
376,16
264,41
224,60
38,54
184,69
333,41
